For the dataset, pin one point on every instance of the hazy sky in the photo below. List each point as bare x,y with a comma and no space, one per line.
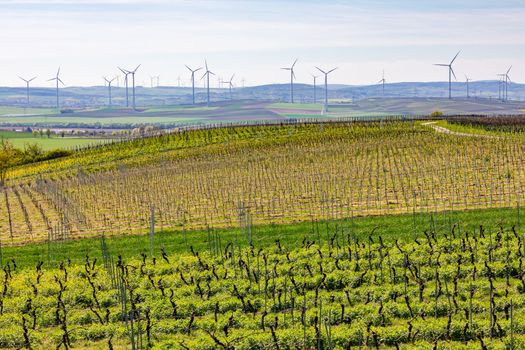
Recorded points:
252,38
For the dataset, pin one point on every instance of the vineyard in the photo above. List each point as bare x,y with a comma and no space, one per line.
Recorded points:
446,288
233,177
332,236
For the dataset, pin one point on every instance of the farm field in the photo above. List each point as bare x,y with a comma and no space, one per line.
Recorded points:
12,111
267,174
382,235
172,116
20,140
453,284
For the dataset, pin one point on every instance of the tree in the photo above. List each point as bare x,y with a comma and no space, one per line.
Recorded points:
9,157
48,133
32,152
35,133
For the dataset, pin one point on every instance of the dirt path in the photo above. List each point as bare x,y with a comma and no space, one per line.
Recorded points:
443,130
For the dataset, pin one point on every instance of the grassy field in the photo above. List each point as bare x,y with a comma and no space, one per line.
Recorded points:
4,110
390,227
20,140
367,283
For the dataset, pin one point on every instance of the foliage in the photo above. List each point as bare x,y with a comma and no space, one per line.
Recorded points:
448,289
511,123
436,114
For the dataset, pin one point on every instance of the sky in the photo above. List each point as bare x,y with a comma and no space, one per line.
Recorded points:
253,39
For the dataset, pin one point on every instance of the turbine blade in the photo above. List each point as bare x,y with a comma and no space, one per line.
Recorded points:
22,79
322,71
441,64
455,57
60,80
330,71
509,70
454,74
58,72
293,65
30,80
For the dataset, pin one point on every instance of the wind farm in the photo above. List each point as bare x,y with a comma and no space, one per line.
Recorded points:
262,175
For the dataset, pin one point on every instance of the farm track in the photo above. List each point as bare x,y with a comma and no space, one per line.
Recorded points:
443,130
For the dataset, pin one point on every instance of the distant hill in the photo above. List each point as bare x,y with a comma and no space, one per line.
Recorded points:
96,96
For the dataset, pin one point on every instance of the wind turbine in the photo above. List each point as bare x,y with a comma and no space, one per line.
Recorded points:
450,73
506,81
315,87
158,79
109,88
468,81
292,77
207,75
230,84
326,86
192,81
57,79
383,81
27,81
132,72
178,81
126,73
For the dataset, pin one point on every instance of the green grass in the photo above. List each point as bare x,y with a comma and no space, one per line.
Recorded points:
5,110
403,227
469,129
180,108
73,121
22,139
297,106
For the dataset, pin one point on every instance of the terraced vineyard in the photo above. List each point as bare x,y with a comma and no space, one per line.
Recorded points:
446,289
267,174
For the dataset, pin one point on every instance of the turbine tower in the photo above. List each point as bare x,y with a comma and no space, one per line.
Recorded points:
126,73
315,87
207,75
27,81
57,79
132,72
192,82
383,81
292,77
230,85
109,81
450,73
506,81
468,80
326,86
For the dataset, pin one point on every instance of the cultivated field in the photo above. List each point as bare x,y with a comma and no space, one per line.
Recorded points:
338,289
268,174
289,236
250,110
23,139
